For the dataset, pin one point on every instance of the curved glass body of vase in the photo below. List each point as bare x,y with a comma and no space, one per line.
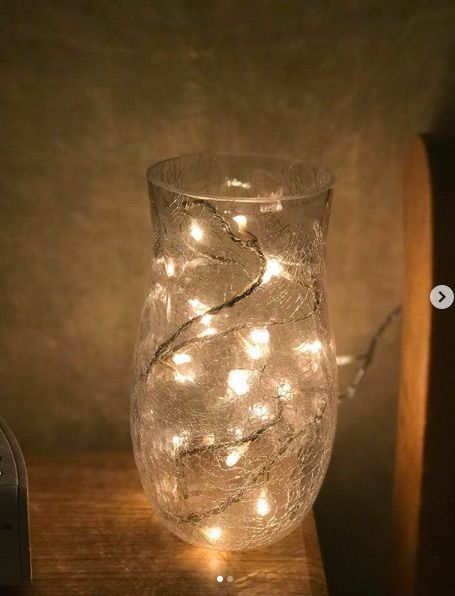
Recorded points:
234,409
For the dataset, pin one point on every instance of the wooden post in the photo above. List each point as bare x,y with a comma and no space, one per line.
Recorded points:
424,497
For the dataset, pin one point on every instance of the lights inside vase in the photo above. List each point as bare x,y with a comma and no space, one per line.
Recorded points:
273,269
284,389
254,352
181,378
207,332
262,504
240,220
234,456
196,232
213,533
170,267
199,307
260,336
260,410
181,358
234,411
177,440
271,207
158,292
238,183
239,381
310,347
256,345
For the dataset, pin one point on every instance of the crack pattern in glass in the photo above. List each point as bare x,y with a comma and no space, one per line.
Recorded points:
234,408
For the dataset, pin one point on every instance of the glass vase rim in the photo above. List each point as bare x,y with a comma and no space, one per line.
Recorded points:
321,188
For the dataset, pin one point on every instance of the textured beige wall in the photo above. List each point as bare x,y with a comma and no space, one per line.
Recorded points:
93,92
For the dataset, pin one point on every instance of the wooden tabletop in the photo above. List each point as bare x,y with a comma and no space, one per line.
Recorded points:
93,532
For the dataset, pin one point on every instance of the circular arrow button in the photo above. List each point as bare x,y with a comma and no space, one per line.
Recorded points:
441,297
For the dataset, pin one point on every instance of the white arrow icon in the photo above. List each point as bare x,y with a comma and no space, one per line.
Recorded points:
441,297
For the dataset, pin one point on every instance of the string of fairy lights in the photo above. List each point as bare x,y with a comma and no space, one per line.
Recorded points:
174,353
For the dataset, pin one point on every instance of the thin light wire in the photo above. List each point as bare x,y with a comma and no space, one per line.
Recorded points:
367,358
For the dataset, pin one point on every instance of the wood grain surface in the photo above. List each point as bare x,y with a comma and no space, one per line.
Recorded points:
93,532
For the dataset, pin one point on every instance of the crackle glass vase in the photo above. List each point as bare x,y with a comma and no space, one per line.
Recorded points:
234,408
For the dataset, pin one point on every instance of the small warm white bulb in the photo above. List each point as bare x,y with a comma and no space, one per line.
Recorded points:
233,458
181,358
260,410
240,220
272,269
177,441
170,268
284,388
196,232
238,381
311,347
258,347
262,505
235,182
206,319
183,378
207,332
198,306
260,336
254,352
213,533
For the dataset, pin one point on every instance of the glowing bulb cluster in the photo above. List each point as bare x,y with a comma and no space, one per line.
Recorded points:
237,183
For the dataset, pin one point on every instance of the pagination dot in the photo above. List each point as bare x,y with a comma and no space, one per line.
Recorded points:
219,578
